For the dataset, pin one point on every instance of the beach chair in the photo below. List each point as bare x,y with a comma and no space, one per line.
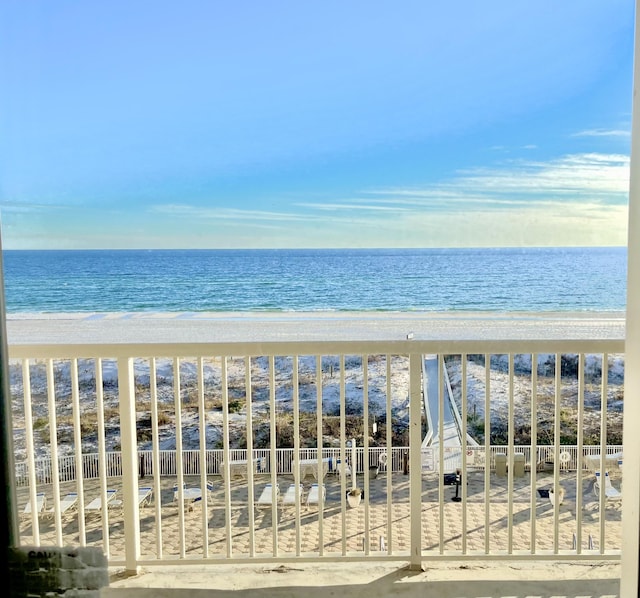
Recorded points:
289,498
41,502
313,498
268,495
610,491
175,491
195,494
68,504
95,506
144,496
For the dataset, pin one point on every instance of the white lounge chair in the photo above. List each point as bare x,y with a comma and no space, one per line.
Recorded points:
95,506
144,496
289,498
313,498
67,505
268,495
41,502
196,493
610,491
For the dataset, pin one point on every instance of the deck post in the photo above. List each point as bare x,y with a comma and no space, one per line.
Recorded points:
127,397
630,560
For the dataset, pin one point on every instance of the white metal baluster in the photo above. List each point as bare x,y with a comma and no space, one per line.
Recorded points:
415,456
510,459
202,430
226,474
28,429
250,477
580,453
533,451
296,442
556,451
320,455
343,456
487,453
463,447
157,471
179,456
389,464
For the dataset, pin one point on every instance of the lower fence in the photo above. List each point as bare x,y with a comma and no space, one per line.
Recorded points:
544,457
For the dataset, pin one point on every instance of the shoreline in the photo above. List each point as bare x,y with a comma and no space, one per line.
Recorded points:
234,327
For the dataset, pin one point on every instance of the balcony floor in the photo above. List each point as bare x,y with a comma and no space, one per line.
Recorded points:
374,580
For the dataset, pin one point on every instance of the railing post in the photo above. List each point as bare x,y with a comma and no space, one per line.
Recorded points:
415,461
630,560
131,517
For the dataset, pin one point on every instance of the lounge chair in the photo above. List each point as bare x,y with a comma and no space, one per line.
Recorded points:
289,498
190,494
95,506
144,496
41,502
552,496
195,494
268,495
610,491
313,498
68,504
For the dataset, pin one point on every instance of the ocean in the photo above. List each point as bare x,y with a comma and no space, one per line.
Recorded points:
340,280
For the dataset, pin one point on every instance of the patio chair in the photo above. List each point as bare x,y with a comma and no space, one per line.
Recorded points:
268,495
610,491
41,502
95,506
313,498
289,498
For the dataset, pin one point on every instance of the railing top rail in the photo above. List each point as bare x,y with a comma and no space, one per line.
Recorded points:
397,347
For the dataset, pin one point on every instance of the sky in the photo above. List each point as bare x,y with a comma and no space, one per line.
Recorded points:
281,124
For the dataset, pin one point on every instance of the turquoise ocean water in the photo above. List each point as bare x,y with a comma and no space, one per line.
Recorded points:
532,280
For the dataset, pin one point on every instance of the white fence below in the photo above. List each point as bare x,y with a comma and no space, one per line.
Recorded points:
476,457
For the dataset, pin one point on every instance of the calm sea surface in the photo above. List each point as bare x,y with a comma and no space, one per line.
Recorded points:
539,280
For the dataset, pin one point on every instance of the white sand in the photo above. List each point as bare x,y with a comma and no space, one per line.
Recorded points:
199,327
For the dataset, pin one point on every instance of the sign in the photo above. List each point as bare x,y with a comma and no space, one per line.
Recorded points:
428,461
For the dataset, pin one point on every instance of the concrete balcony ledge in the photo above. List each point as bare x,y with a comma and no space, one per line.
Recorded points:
436,580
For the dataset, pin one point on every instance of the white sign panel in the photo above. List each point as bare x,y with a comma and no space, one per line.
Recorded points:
428,462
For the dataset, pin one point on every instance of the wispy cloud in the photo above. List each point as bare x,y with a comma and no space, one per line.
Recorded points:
603,133
191,211
602,177
580,199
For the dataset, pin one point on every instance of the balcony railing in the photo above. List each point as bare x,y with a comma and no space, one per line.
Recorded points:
94,418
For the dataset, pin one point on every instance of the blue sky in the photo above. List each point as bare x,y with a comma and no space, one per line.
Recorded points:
335,124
